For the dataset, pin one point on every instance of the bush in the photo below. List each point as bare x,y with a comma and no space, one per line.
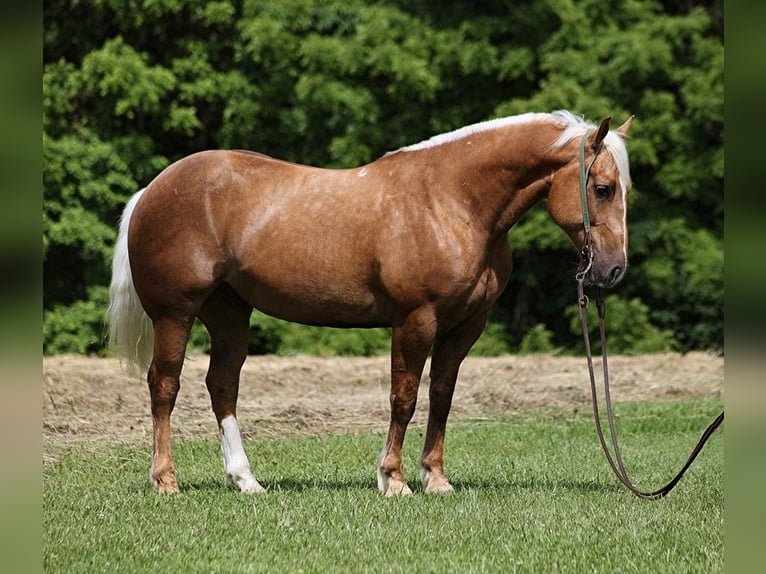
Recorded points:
683,275
274,336
537,340
493,341
79,327
628,329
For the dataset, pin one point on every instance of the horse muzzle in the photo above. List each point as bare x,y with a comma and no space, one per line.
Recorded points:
607,274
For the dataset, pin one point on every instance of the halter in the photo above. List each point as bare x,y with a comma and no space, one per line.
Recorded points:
586,262
584,174
586,253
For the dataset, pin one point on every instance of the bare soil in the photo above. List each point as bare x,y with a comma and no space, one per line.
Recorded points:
92,399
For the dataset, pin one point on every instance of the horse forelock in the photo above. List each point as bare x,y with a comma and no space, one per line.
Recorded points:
575,127
615,145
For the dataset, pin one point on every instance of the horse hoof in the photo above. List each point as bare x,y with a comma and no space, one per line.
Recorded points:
440,486
168,486
435,483
247,484
398,488
252,488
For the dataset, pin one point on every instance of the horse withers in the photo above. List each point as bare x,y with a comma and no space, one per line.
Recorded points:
415,241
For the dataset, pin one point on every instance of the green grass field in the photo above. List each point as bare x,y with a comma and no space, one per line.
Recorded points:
533,494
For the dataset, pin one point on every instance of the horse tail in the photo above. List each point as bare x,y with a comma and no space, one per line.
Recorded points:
130,329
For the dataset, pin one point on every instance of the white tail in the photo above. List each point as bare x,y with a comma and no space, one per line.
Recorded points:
130,329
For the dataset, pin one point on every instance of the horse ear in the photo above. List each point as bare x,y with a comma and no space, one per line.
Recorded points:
623,129
601,132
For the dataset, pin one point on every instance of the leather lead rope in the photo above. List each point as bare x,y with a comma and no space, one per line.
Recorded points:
586,261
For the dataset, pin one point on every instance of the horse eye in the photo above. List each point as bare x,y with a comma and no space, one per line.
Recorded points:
604,191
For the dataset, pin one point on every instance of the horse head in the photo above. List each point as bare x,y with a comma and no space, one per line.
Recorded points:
602,163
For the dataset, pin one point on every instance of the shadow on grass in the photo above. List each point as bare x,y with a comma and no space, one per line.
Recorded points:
274,486
302,485
293,485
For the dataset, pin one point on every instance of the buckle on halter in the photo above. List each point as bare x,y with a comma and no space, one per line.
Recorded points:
586,257
586,261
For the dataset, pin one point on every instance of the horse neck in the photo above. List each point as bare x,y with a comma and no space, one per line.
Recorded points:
503,173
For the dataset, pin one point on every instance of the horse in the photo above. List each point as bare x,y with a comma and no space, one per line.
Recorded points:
415,241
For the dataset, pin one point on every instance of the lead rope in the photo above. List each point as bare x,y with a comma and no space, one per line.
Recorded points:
586,262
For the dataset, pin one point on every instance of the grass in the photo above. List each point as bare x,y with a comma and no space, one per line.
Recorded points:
533,494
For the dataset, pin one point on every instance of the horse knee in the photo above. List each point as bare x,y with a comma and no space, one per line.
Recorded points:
162,388
402,407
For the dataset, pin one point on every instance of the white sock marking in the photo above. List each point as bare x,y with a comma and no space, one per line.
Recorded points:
235,461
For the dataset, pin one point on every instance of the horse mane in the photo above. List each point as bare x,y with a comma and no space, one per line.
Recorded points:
469,130
573,127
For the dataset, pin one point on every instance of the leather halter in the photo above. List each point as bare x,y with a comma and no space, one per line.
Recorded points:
586,262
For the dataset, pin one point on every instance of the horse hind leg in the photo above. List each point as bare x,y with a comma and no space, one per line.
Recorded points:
163,377
226,316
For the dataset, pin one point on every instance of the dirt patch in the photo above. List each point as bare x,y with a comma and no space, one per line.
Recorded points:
93,399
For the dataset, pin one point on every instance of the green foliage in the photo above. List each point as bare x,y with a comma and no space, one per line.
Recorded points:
77,328
493,341
269,335
685,286
533,494
273,336
334,342
537,340
629,331
85,184
131,85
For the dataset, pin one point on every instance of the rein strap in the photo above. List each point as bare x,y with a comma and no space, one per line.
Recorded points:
586,261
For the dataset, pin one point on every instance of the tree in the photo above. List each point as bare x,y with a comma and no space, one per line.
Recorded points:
132,85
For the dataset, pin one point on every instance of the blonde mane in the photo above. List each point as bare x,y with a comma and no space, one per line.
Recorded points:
469,130
573,127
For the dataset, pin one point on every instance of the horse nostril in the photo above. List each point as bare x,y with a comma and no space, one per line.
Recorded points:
614,274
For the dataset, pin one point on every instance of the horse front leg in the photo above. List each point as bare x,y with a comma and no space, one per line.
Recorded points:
410,344
449,352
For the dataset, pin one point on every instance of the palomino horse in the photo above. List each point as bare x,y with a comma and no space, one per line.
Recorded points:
415,241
